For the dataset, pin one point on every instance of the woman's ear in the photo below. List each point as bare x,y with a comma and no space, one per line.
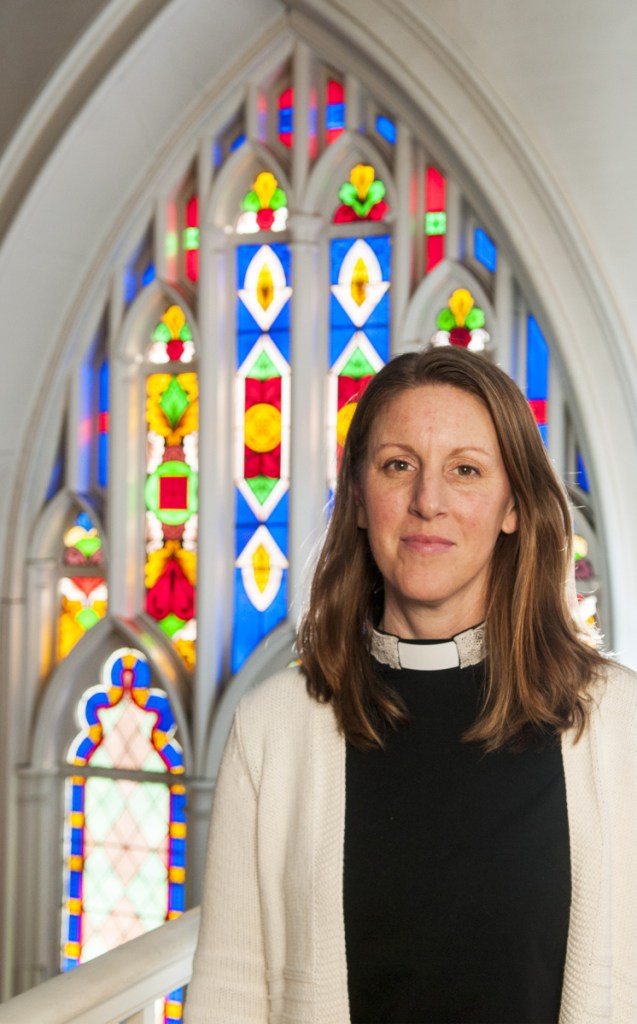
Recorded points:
510,521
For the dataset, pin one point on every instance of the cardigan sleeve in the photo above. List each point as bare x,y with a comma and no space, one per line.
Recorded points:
229,975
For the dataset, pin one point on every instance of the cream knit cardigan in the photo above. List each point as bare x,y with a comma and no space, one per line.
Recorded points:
272,939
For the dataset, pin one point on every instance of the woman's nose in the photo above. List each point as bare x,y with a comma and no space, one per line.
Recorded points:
427,499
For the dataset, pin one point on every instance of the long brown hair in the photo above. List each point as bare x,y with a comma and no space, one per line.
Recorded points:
540,663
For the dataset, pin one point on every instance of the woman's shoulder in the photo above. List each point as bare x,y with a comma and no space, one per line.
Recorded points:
616,694
280,702
277,724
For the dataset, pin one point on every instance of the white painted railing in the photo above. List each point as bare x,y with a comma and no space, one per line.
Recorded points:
119,987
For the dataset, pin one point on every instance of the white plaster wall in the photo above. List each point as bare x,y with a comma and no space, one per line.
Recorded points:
567,72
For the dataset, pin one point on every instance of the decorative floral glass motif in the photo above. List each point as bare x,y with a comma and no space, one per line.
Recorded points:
262,440
586,580
83,592
362,197
171,491
264,206
359,334
172,339
124,840
461,323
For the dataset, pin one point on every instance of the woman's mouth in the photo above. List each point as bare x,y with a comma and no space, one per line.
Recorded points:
427,544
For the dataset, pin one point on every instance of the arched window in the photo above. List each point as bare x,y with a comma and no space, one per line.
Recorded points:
124,833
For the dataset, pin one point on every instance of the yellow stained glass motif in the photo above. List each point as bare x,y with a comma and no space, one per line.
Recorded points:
265,287
360,280
261,567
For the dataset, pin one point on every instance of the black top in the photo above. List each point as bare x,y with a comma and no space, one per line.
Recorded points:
457,868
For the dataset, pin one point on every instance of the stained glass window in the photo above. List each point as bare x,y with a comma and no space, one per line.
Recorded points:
537,375
103,424
191,239
124,838
386,129
262,441
82,590
484,250
586,580
139,271
435,217
334,111
172,463
581,474
286,117
359,331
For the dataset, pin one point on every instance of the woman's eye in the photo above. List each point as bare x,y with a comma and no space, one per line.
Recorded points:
398,465
465,470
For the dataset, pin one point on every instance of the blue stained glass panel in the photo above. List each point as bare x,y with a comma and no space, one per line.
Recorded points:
236,143
335,116
85,427
102,440
255,625
582,475
279,332
57,472
286,120
485,250
386,128
379,244
149,274
246,253
537,361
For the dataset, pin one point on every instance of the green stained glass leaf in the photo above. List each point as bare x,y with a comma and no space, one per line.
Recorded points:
362,209
185,333
446,320
475,319
87,618
162,333
262,487
375,192
251,202
347,193
171,624
263,368
88,545
357,366
174,402
278,200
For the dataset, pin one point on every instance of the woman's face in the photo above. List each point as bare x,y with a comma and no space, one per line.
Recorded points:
434,497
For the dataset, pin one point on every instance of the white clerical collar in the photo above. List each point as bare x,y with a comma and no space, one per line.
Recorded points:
464,649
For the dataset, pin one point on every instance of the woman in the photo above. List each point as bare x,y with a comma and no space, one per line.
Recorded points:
482,867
